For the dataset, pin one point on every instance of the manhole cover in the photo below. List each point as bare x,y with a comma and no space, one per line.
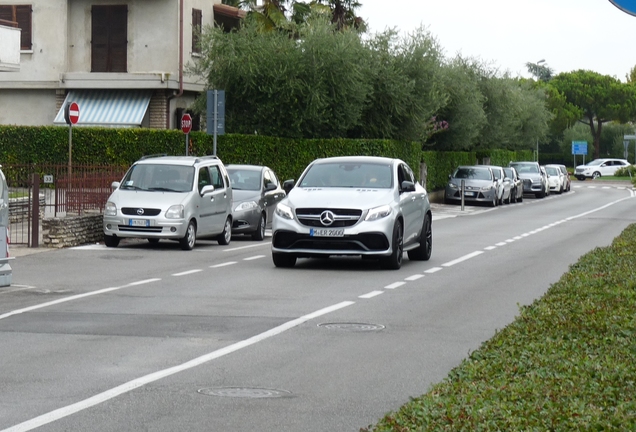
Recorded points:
352,326
244,392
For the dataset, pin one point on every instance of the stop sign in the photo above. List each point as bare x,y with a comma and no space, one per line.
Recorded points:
72,113
186,123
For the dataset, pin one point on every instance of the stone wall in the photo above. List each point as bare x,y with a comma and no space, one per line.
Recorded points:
72,230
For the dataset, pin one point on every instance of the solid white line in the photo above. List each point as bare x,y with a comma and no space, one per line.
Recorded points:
223,265
433,270
253,257
75,297
371,294
414,277
395,285
138,382
187,272
464,258
247,247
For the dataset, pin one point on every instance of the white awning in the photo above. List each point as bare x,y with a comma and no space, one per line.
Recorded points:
108,108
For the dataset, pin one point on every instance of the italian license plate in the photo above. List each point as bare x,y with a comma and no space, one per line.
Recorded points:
139,222
469,193
326,232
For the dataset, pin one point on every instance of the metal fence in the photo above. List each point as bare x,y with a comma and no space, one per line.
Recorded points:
38,191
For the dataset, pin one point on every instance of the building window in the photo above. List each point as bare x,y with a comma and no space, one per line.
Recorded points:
196,30
109,38
22,15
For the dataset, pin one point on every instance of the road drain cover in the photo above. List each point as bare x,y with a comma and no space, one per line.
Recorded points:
352,326
244,392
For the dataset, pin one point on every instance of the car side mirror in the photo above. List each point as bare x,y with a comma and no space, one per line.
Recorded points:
288,185
449,176
270,187
408,186
114,185
207,189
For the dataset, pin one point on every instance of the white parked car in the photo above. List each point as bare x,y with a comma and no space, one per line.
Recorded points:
556,179
599,167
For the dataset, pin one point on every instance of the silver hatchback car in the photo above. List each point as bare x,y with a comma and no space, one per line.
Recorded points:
171,197
357,206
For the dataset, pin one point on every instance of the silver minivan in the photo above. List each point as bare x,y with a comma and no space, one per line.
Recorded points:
171,197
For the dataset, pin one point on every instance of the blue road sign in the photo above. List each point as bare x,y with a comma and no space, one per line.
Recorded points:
579,147
627,6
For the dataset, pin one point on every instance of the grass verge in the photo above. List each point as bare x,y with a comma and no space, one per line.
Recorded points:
568,362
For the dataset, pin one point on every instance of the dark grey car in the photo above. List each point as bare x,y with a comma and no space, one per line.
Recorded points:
534,180
256,191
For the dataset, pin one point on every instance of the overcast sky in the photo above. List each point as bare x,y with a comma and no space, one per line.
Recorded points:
567,34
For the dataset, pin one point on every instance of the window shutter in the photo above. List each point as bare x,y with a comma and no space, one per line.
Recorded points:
109,38
23,16
197,20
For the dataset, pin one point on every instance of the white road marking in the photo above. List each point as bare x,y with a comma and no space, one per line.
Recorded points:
461,259
414,277
433,270
489,248
501,244
99,398
223,264
75,297
187,272
371,294
253,257
394,285
247,247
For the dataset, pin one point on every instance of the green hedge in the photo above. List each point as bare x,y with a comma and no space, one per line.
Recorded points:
287,157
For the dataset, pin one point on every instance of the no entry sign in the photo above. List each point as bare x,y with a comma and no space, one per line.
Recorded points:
71,113
186,123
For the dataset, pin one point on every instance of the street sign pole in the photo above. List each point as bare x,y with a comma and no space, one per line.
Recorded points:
71,116
216,109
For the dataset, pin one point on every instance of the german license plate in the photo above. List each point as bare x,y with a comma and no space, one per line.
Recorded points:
326,232
139,222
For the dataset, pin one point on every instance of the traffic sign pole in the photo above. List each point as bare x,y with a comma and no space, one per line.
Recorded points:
186,127
71,116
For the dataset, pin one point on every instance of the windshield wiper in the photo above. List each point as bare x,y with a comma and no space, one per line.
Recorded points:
163,189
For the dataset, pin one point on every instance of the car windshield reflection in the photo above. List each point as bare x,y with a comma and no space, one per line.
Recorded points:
350,175
159,178
473,173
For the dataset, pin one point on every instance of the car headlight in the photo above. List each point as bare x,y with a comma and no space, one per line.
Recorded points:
486,188
110,209
284,211
247,205
452,185
378,213
175,212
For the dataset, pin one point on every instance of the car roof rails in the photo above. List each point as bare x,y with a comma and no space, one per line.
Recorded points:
153,156
200,158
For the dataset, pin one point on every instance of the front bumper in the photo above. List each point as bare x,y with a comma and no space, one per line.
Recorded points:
245,222
156,227
470,195
366,238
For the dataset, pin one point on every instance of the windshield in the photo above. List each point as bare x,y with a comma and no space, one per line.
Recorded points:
348,175
473,173
553,171
509,172
159,177
245,179
526,168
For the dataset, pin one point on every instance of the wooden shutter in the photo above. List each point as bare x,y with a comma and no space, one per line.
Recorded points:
109,38
197,20
22,15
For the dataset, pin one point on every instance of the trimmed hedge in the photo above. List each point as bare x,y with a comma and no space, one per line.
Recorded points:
287,157
566,363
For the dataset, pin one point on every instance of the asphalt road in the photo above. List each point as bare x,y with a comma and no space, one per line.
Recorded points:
218,339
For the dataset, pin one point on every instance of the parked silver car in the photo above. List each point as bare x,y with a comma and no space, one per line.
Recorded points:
171,197
503,187
355,205
480,185
516,184
255,193
535,181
